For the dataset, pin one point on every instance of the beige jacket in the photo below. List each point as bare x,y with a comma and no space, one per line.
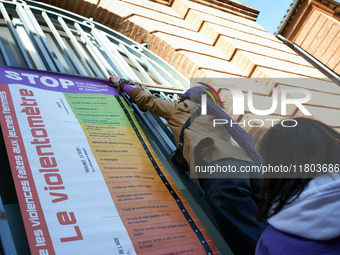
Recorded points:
202,127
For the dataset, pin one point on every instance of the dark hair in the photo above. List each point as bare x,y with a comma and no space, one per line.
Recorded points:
301,141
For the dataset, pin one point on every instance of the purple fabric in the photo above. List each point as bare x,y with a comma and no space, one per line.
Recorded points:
273,241
236,132
127,88
54,81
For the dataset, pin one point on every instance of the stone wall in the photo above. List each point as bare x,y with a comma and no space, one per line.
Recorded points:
209,39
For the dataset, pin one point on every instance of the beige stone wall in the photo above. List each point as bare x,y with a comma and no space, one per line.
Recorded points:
210,38
315,27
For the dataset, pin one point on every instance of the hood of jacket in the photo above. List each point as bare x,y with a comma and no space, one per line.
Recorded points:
315,214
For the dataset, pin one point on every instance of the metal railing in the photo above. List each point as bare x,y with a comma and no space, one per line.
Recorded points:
37,36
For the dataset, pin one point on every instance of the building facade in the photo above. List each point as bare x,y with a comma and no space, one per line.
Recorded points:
217,39
314,26
168,45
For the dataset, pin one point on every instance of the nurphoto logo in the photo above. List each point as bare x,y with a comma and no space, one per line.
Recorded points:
282,100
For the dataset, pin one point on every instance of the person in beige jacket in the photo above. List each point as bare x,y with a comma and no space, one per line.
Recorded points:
233,197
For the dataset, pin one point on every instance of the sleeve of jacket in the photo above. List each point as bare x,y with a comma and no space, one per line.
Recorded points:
147,101
261,248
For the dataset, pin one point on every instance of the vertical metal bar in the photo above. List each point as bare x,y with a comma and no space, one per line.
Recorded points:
159,72
29,45
29,27
15,36
118,69
44,40
4,54
154,71
135,62
97,56
61,42
121,61
80,50
170,79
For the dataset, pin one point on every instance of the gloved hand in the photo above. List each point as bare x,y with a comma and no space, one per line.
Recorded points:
114,81
117,83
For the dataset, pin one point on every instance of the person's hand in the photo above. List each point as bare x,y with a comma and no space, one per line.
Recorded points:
114,80
117,83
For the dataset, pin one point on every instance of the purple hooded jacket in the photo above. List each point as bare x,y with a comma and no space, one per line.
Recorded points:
309,225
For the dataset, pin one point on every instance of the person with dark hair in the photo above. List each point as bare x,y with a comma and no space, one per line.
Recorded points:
302,206
232,200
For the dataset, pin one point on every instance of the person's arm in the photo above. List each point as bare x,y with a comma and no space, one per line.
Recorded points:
261,248
145,99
